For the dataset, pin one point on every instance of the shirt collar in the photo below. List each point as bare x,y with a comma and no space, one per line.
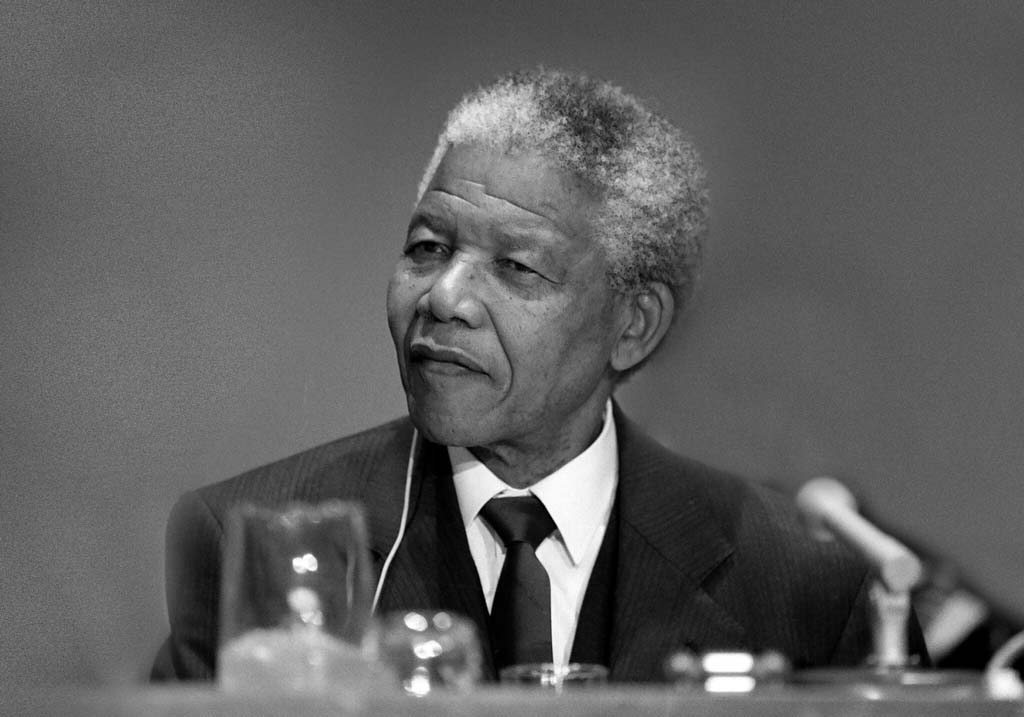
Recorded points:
578,495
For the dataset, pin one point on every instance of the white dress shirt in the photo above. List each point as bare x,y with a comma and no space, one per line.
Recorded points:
579,498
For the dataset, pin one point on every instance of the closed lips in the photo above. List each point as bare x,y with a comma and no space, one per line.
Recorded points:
425,352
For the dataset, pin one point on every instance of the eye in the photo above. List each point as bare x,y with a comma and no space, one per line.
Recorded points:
426,250
515,267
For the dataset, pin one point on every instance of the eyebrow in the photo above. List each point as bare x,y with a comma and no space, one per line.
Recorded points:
434,222
542,239
516,239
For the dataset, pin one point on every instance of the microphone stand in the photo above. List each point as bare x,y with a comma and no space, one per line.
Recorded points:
890,613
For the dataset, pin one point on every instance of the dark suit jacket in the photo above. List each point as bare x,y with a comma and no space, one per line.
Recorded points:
705,560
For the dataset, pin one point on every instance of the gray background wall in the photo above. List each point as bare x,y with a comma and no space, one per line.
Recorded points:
200,204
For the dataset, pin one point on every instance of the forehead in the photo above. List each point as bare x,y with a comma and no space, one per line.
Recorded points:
524,189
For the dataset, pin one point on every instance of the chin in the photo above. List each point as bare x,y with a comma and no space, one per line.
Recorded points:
448,428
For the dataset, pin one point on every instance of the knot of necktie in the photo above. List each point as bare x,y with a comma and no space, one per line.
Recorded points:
519,520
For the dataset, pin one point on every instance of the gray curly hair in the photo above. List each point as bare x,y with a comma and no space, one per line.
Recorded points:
649,177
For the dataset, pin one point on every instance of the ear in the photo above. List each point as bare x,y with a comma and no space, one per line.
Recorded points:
648,316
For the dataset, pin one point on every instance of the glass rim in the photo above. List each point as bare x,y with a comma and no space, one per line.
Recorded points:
566,672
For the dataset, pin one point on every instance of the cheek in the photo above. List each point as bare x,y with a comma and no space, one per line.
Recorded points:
401,305
576,337
544,340
402,295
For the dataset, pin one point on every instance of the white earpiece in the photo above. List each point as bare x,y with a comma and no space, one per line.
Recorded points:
405,517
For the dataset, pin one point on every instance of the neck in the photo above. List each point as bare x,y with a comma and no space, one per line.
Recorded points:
522,464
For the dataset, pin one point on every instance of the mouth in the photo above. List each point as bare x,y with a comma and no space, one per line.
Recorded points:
442,358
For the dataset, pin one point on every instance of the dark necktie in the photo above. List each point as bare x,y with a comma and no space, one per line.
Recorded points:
521,612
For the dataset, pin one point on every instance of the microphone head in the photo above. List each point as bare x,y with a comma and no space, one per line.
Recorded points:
819,497
831,513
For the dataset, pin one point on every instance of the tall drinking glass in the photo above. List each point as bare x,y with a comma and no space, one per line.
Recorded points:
295,599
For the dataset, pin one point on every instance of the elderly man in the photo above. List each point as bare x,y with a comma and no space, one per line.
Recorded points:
556,236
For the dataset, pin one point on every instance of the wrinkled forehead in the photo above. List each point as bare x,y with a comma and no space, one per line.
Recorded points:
528,177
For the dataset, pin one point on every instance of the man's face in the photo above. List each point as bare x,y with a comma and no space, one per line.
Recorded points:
500,309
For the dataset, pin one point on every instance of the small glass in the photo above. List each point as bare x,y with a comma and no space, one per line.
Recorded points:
431,650
555,677
295,599
727,671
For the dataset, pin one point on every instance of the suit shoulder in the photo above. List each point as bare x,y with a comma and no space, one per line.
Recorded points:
765,519
337,469
756,518
772,540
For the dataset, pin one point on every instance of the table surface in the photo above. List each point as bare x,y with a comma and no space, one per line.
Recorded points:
514,702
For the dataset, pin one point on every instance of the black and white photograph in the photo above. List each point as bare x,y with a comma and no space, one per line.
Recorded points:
571,357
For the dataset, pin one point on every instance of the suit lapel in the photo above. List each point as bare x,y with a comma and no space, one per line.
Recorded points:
456,571
373,474
384,494
669,544
410,582
433,568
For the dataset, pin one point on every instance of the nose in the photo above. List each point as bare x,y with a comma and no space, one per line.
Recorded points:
454,294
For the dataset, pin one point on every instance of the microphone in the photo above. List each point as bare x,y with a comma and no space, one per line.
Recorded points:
831,510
